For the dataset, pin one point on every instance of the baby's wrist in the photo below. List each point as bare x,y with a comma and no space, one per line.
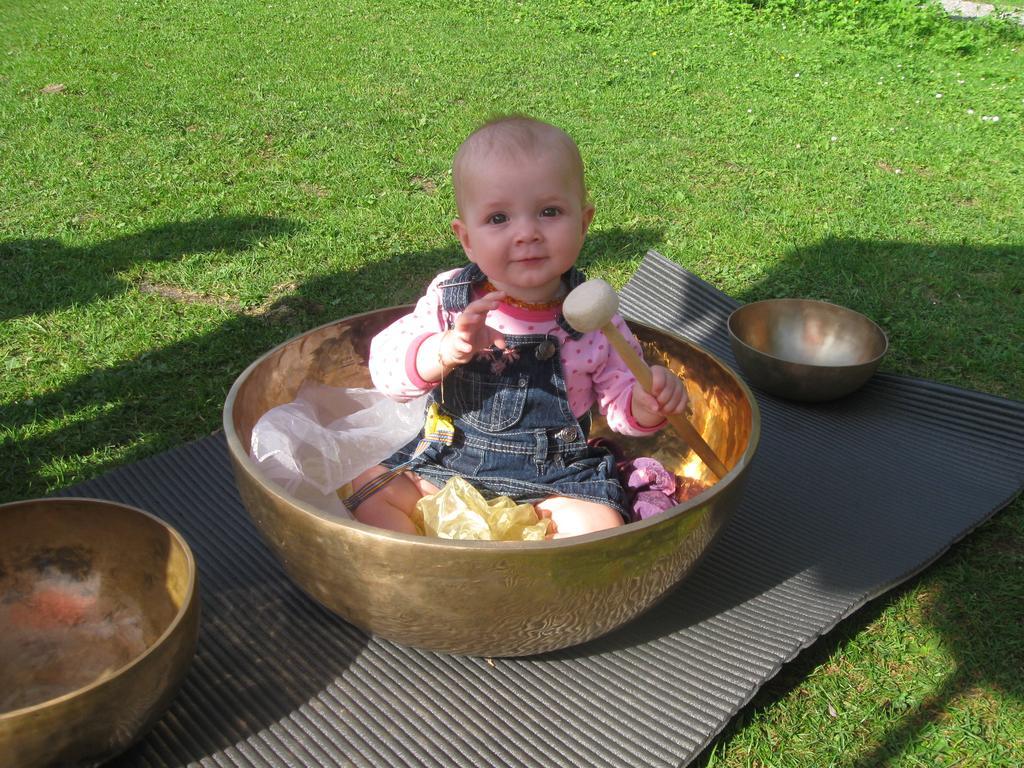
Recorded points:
641,416
648,419
430,365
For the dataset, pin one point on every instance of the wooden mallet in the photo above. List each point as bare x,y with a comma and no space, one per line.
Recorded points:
590,307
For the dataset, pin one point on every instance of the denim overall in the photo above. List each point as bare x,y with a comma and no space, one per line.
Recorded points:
515,434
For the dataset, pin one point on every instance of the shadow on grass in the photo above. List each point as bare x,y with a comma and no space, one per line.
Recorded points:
950,313
174,394
43,275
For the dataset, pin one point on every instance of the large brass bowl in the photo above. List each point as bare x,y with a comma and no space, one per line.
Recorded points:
478,597
99,617
805,350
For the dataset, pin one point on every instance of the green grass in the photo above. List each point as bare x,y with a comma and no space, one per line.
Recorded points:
1001,6
215,177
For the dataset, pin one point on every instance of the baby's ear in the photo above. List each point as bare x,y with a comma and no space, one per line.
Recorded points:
588,216
462,232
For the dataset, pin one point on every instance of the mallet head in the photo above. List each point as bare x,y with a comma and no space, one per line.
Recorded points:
590,306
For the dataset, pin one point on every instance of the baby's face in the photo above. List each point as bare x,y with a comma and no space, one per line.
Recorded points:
523,221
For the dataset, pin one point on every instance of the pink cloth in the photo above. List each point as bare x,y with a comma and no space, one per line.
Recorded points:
653,486
593,372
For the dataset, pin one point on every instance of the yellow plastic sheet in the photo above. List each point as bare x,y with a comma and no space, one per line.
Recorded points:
459,511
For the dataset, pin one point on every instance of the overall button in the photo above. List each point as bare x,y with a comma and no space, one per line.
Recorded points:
546,350
568,434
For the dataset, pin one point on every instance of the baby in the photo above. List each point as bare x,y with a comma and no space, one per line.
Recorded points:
512,383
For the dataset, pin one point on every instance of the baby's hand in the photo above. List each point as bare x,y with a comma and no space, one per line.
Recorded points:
470,333
668,395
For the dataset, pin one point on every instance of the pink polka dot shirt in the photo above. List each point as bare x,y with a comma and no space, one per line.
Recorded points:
593,372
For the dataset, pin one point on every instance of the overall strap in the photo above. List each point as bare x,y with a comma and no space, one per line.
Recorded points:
457,292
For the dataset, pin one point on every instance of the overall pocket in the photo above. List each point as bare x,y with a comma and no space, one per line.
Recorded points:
489,403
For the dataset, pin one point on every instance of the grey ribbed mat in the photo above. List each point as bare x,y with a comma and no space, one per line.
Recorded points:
845,500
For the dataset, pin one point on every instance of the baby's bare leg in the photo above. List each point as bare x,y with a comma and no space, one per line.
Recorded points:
573,517
392,505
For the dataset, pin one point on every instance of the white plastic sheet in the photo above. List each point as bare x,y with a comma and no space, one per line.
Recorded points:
327,436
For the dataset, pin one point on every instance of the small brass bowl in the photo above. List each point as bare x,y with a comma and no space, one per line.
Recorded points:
99,616
805,350
488,598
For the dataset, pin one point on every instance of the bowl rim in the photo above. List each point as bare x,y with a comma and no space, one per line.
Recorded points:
733,336
245,463
186,605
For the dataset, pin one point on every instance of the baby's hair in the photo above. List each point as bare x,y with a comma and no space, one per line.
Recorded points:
512,137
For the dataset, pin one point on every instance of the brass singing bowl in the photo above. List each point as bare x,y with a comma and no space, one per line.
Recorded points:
807,350
99,616
488,598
